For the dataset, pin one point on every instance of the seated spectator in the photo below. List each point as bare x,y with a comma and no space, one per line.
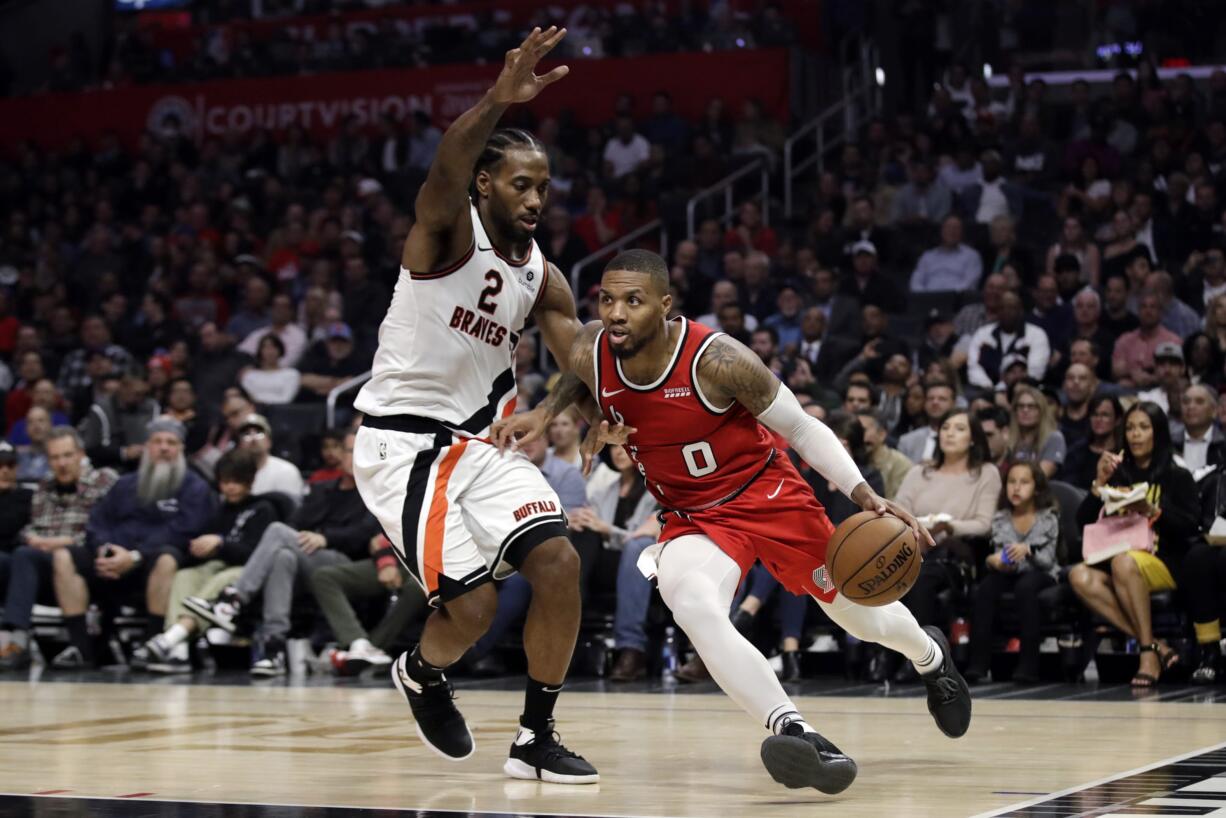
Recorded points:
842,312
922,200
786,321
236,407
1199,441
137,537
978,314
1170,379
749,233
217,362
337,587
958,481
1004,250
1205,363
1117,315
862,229
1011,335
95,340
181,405
331,527
54,517
44,395
920,444
995,423
271,381
757,297
30,370
564,439
330,363
273,474
1132,362
331,451
1025,533
217,557
115,428
599,225
723,294
1204,278
1034,433
892,464
878,345
1106,434
1080,387
1177,316
32,465
626,152
1203,586
1119,590
951,266
252,315
868,284
1049,313
293,338
1074,242
623,514
14,514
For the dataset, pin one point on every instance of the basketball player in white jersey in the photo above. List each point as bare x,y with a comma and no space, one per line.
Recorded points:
458,512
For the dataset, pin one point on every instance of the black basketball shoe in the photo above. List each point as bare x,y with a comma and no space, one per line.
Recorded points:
542,757
439,724
798,759
949,697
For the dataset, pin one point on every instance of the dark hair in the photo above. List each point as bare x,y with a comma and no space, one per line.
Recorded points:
643,261
1117,435
997,414
847,427
271,338
977,455
238,465
337,435
501,141
774,336
872,391
1066,261
1163,456
1043,497
1215,355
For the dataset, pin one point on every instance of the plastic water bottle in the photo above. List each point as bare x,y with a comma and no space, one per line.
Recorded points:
668,653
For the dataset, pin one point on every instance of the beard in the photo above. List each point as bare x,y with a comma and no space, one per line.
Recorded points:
635,345
157,481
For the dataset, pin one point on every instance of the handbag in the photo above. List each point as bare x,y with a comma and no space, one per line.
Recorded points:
1114,535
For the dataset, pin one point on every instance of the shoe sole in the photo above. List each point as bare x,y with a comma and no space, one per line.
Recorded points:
796,764
417,727
514,768
266,674
157,667
207,615
940,639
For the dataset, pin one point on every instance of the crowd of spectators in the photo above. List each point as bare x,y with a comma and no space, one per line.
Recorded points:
1002,307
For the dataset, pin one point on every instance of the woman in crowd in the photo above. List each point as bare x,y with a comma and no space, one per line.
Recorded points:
269,382
912,415
1119,590
959,482
44,394
1215,323
1025,533
1204,359
1106,435
1033,430
1074,242
564,439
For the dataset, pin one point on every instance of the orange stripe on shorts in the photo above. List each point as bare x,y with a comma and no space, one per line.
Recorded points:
436,522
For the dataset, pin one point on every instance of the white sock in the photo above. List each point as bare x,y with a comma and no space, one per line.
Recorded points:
697,581
784,715
21,639
175,634
892,626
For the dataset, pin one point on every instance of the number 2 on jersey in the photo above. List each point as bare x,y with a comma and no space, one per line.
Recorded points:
484,303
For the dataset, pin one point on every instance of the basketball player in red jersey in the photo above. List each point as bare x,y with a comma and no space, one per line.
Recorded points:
690,405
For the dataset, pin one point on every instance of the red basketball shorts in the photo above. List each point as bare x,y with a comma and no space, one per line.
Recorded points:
776,520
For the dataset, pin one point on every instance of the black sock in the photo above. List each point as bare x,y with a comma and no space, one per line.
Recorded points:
422,671
154,625
539,700
79,635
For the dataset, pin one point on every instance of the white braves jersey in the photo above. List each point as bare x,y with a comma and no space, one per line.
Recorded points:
447,345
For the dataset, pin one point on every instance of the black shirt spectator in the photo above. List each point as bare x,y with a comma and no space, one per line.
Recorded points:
331,362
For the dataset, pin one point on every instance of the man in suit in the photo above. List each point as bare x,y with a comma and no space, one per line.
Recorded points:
823,353
842,312
920,444
1199,441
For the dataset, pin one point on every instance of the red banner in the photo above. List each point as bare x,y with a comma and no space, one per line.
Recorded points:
320,103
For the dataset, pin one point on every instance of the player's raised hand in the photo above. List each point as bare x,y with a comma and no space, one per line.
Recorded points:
518,429
596,438
518,81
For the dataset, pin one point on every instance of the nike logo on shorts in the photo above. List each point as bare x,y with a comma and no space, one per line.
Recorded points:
775,493
605,393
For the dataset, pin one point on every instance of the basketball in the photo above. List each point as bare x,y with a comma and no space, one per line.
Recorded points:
873,559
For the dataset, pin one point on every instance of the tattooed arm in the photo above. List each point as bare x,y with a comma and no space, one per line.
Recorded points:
729,372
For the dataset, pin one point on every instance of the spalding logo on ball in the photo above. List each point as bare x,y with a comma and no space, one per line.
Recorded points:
873,559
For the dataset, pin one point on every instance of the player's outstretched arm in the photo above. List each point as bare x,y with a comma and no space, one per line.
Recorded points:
730,372
442,231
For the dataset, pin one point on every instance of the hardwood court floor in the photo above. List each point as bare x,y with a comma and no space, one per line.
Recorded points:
671,754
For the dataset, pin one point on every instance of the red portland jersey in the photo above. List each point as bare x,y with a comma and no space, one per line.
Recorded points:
691,453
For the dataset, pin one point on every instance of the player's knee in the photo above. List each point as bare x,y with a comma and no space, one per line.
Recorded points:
1123,566
552,565
1081,577
692,600
472,613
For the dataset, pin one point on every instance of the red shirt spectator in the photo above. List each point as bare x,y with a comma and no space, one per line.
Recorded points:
751,234
600,224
